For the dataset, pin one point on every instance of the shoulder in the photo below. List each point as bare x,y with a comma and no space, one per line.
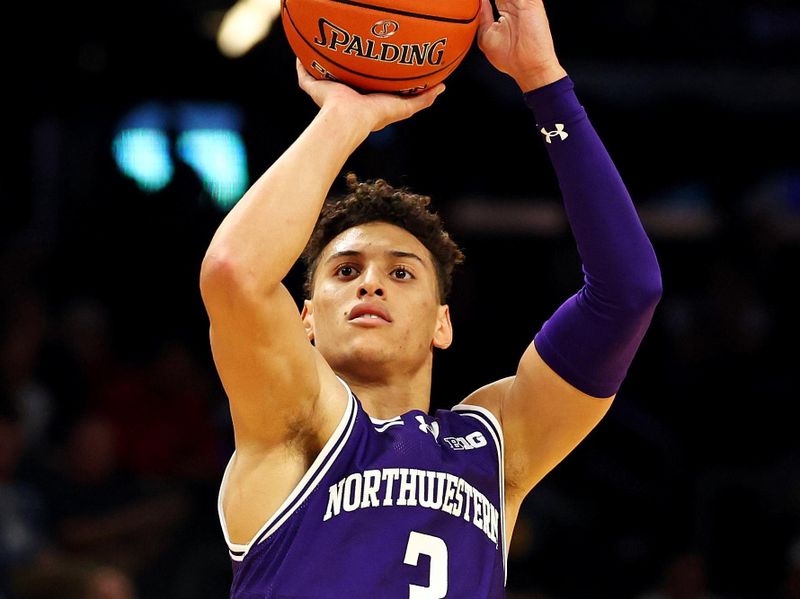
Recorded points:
480,415
489,397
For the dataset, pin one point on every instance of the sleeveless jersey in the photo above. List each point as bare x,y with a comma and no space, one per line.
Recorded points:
410,507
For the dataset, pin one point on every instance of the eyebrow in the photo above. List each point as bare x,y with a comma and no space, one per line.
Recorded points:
394,253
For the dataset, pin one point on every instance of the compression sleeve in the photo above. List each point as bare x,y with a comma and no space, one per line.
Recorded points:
590,341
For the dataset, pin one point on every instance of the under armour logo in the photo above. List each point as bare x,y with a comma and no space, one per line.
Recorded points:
559,132
432,428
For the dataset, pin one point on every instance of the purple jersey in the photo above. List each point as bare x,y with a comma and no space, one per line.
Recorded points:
410,507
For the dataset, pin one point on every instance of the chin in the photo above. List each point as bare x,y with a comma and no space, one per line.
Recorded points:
372,353
358,354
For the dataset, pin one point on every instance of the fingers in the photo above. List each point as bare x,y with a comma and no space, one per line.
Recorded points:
435,91
485,16
303,76
429,93
425,99
398,108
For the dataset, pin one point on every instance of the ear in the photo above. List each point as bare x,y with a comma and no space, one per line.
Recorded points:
307,315
443,334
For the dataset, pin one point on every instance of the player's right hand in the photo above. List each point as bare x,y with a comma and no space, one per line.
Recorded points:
373,111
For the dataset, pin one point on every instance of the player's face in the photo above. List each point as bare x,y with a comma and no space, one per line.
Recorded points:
375,301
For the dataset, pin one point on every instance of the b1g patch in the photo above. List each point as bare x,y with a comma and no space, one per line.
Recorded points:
472,441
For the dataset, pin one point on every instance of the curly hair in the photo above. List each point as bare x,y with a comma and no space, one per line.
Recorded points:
377,201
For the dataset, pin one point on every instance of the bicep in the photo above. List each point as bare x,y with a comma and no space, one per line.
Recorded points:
266,363
543,418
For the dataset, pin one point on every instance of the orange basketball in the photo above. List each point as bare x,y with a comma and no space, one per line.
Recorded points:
402,46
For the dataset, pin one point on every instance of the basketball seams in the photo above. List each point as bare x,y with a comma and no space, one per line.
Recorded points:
395,11
346,52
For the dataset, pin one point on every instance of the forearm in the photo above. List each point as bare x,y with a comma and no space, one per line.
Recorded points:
592,338
268,228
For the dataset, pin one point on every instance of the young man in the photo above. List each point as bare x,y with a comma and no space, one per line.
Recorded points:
341,484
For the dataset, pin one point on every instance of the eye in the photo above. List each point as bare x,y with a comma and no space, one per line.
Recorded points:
346,270
401,273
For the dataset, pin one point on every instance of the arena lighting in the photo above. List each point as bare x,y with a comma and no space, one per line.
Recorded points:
204,136
209,142
143,155
219,158
245,24
141,147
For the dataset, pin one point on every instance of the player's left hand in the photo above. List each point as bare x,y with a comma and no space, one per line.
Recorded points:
519,43
373,111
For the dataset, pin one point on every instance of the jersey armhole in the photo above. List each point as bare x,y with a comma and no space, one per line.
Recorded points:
307,484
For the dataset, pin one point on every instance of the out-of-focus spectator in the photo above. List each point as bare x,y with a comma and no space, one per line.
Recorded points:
103,515
21,509
685,577
108,583
66,578
79,360
23,332
162,415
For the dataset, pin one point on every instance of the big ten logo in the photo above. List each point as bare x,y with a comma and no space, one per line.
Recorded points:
471,441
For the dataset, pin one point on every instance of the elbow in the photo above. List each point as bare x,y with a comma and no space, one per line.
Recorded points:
650,297
215,269
654,287
222,277
634,290
228,279
646,293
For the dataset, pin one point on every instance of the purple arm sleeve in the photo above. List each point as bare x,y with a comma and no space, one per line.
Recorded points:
591,339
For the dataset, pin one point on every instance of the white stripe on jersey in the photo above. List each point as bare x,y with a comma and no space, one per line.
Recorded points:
303,488
491,424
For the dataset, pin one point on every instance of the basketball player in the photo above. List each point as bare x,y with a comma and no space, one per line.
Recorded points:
342,485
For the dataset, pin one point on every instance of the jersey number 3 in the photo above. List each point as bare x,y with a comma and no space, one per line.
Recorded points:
422,544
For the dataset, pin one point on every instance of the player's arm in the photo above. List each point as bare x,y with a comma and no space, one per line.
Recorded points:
568,376
271,373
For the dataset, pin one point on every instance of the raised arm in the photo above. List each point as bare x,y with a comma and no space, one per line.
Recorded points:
271,373
574,367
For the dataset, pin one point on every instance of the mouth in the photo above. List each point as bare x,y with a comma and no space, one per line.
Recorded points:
369,321
369,313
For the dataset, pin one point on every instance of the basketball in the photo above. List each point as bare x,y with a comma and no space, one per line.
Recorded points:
399,46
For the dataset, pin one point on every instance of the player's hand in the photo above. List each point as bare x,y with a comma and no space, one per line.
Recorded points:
519,43
373,111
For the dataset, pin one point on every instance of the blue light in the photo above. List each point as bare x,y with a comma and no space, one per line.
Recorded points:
143,155
219,157
207,139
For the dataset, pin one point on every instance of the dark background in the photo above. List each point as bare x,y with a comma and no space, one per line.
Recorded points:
114,430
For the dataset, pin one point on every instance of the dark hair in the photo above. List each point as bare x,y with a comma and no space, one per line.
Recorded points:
377,201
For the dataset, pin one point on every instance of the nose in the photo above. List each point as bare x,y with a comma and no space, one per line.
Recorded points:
370,284
369,289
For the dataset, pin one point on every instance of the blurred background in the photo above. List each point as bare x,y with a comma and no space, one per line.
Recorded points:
127,136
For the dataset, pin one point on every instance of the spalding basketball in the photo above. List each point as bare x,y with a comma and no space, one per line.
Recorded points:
402,46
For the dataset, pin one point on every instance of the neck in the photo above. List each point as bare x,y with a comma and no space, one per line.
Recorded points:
390,396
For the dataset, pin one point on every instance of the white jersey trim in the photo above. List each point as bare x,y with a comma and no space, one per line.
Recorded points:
316,471
491,424
381,421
